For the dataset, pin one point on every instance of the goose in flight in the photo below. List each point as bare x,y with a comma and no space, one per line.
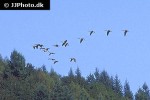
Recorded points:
72,59
55,61
42,48
125,32
67,44
91,32
64,42
56,45
35,46
81,39
51,59
108,31
51,53
45,49
40,45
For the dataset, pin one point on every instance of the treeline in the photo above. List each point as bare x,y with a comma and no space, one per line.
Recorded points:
23,81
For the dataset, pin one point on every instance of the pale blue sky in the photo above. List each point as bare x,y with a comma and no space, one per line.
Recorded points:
129,56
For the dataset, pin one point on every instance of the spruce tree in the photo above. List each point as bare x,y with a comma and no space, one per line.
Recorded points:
127,92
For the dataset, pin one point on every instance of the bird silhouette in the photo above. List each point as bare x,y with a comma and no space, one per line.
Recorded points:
81,39
108,31
67,44
91,32
40,45
55,61
35,46
56,45
72,59
42,48
45,49
63,44
51,59
51,53
125,32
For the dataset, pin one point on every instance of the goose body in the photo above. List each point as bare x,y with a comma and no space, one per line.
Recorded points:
35,47
125,32
81,39
72,59
108,31
55,61
51,59
63,44
67,44
56,45
51,53
91,32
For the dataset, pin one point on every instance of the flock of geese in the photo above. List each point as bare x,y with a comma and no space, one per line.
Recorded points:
65,44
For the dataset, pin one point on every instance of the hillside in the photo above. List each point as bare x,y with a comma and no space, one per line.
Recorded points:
23,81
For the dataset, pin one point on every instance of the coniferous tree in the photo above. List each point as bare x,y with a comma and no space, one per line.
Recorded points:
44,68
97,75
41,92
143,93
60,92
71,75
90,79
117,86
127,92
105,79
146,90
112,82
17,64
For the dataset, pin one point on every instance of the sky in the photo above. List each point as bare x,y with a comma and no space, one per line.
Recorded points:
128,57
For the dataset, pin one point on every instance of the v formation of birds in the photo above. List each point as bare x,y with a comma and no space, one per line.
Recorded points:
65,44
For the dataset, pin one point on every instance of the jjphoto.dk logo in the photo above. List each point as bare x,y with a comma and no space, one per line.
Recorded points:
25,5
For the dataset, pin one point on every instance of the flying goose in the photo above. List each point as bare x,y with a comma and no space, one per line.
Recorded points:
125,32
35,46
51,53
56,45
72,59
108,31
45,49
55,61
64,42
91,32
81,39
51,59
67,44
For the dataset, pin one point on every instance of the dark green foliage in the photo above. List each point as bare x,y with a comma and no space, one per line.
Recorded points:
15,66
60,92
21,81
127,92
143,93
118,86
90,79
78,78
41,92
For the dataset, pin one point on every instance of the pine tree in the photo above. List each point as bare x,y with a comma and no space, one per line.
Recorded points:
90,79
143,93
127,92
97,75
17,64
105,79
117,86
71,75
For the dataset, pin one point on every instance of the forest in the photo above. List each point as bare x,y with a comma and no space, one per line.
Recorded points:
20,80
